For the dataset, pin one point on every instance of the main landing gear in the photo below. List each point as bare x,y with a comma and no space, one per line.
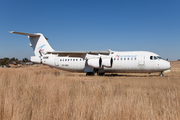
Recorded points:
161,74
99,73
90,74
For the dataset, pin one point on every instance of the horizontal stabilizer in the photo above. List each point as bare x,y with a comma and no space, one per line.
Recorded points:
28,34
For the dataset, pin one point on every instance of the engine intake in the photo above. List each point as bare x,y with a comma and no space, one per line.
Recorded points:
95,62
107,62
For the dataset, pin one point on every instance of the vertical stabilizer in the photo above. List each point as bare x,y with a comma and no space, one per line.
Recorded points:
39,43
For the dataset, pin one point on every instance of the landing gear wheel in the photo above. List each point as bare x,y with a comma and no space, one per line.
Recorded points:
100,74
90,74
161,74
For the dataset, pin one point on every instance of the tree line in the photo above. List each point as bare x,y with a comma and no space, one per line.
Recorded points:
6,61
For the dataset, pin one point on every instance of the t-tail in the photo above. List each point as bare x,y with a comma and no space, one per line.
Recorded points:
38,43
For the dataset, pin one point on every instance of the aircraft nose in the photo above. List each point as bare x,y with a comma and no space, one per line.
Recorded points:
166,65
169,65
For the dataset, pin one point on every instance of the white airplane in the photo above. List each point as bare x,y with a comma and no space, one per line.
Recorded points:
92,62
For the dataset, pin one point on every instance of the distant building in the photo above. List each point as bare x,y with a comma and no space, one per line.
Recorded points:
12,64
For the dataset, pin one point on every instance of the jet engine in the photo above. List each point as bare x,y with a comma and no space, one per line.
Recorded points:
107,61
95,62
100,62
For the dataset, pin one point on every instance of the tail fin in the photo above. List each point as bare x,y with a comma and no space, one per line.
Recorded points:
38,42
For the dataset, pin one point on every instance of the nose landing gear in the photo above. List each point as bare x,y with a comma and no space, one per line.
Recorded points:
161,74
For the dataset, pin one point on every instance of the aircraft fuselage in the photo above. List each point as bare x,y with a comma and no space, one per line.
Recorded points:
124,62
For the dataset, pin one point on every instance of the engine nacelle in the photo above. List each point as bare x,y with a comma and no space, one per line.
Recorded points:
36,59
100,62
95,62
107,61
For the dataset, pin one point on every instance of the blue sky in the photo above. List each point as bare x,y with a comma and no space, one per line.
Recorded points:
84,25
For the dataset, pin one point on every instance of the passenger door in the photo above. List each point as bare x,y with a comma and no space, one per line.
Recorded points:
141,60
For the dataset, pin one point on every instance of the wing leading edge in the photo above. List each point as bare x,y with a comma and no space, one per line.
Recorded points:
77,53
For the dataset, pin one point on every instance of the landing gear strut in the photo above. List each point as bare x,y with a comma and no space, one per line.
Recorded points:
161,74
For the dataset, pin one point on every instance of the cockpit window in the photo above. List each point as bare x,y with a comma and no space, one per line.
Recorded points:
155,58
151,57
159,57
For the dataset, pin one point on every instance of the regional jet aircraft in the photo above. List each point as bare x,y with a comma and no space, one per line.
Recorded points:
92,62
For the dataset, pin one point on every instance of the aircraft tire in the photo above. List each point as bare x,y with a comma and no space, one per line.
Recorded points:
90,74
100,74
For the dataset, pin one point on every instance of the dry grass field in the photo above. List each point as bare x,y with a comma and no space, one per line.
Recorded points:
42,93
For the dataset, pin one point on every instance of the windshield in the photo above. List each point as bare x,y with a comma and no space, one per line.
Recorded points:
155,57
159,57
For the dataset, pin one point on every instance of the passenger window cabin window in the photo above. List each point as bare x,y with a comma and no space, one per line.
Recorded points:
127,58
68,59
117,58
124,58
131,58
60,59
114,58
121,58
65,59
135,58
73,59
76,59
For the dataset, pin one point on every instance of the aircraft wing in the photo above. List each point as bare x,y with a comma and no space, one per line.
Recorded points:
77,53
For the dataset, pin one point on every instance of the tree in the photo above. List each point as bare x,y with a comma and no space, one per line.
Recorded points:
25,60
4,61
1,61
17,61
12,59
